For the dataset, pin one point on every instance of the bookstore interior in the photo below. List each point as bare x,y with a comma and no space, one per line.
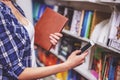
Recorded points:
87,20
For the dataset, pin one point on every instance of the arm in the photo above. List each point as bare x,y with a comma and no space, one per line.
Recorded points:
39,72
35,73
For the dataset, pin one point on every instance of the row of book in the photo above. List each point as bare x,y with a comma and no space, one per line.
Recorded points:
38,9
81,22
105,66
69,75
67,45
107,31
49,59
95,25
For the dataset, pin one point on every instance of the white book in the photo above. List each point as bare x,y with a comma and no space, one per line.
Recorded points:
114,35
97,31
75,22
55,8
103,38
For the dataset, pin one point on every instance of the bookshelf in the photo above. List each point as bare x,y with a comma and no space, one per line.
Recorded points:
110,1
81,4
99,5
107,6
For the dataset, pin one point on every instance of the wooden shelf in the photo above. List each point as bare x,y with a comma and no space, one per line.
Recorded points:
104,6
75,36
80,69
85,4
107,48
86,73
110,1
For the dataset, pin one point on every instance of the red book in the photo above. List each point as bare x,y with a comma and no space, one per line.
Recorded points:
50,22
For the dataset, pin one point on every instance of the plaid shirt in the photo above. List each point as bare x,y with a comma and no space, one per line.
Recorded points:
15,51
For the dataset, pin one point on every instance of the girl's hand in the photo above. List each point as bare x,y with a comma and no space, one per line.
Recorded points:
54,38
75,59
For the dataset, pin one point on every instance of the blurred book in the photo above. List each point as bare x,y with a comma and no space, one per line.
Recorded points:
117,72
67,45
75,22
68,12
86,25
49,23
114,35
98,16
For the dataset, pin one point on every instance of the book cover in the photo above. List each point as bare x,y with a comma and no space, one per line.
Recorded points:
88,25
97,64
42,9
70,75
97,30
36,7
98,16
50,22
114,35
84,24
111,75
67,45
117,71
75,22
103,37
61,10
81,21
69,14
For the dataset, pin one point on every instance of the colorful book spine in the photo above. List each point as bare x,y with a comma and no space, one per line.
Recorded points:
84,24
36,7
75,22
88,25
114,35
81,21
111,74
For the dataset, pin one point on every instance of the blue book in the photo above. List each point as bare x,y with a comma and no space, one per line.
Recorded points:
42,9
36,7
70,75
74,75
84,24
111,74
88,25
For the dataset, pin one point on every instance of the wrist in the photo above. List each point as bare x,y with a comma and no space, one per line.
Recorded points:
66,66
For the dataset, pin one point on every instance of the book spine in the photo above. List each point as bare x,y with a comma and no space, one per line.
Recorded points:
114,44
84,24
89,21
75,22
81,21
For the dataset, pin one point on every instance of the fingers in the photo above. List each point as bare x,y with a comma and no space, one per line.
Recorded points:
58,34
54,38
84,54
75,60
76,52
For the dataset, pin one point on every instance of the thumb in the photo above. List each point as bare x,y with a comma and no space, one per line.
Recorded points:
76,52
84,54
